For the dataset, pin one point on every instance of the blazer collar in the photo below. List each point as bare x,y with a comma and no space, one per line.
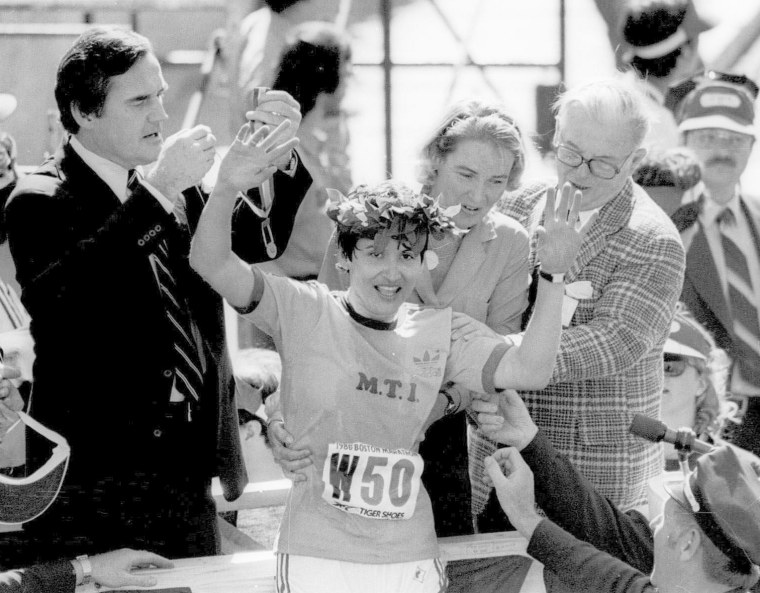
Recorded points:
613,216
467,261
82,183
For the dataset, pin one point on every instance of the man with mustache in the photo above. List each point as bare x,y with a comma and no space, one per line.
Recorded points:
720,232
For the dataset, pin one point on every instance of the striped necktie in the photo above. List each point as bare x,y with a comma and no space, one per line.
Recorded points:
741,300
188,374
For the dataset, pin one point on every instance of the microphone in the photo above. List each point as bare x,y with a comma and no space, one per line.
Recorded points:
653,430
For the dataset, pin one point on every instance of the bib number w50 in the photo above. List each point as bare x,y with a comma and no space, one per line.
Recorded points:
372,482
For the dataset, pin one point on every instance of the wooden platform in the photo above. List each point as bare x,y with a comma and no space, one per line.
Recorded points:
253,572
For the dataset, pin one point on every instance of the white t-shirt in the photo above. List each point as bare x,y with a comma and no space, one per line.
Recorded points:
361,398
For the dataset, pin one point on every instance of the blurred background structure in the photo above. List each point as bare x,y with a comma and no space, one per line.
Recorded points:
411,59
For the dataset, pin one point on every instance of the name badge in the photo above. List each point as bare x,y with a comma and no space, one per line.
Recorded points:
371,481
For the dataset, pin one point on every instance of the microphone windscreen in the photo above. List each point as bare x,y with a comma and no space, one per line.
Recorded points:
648,428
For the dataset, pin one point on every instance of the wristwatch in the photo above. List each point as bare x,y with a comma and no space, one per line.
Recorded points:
553,278
86,565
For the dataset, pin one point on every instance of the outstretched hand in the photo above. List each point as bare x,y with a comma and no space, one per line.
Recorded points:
559,239
252,156
513,481
275,107
507,421
291,455
114,569
464,327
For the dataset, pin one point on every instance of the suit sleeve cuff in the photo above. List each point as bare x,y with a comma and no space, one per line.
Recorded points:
290,168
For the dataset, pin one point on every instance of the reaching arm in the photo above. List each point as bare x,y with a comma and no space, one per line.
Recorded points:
559,486
530,365
581,565
247,164
575,562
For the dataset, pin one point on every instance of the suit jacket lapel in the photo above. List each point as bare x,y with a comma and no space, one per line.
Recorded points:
470,256
467,261
612,217
701,270
94,198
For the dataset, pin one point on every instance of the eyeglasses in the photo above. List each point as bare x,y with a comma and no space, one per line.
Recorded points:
677,92
598,167
715,138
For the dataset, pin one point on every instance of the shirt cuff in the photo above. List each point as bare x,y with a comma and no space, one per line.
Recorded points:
489,369
78,571
256,293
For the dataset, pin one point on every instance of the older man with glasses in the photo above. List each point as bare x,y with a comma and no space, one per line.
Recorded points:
621,294
719,228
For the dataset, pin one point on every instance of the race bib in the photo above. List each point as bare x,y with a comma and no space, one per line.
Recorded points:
370,481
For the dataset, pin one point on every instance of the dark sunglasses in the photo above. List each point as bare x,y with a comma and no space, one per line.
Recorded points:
677,92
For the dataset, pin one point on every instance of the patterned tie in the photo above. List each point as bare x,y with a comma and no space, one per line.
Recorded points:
741,299
187,364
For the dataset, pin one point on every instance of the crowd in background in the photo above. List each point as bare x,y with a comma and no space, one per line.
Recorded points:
635,272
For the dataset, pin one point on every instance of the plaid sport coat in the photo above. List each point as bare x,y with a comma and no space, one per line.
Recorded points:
609,365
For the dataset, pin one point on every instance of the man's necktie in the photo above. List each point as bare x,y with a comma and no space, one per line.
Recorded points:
741,300
187,363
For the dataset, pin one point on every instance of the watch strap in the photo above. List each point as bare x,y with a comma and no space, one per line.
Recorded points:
553,278
86,565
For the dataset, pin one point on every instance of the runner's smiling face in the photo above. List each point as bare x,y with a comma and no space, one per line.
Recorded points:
381,283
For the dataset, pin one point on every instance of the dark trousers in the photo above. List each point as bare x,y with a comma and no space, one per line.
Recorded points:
175,518
158,500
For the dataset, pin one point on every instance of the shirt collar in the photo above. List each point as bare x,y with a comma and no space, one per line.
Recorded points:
711,210
584,215
114,175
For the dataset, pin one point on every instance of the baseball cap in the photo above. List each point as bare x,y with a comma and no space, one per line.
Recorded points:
719,104
687,337
723,494
7,105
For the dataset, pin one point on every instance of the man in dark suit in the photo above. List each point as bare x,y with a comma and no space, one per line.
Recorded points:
132,366
720,233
